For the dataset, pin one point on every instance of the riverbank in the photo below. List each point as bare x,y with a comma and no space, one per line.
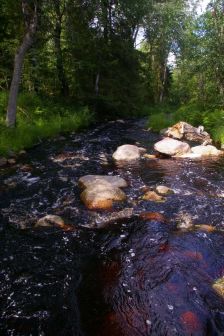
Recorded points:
39,118
211,118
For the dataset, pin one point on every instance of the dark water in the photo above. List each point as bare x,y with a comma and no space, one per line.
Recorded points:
133,277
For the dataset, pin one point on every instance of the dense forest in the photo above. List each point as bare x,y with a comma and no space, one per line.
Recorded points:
70,62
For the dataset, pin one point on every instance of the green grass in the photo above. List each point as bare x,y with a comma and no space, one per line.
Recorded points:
39,118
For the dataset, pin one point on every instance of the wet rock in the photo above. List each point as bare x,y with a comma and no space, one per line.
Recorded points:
53,221
11,161
218,286
105,180
205,227
22,152
26,168
163,190
128,153
185,131
189,156
150,156
153,197
171,147
103,220
206,150
3,161
101,196
153,216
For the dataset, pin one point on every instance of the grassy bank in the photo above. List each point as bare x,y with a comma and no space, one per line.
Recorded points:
211,118
39,118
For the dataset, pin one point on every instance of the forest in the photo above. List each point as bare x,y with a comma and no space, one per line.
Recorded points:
65,63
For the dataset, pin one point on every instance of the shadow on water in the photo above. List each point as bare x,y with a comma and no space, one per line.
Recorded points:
134,277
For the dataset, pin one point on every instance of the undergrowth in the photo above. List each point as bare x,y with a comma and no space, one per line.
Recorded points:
39,118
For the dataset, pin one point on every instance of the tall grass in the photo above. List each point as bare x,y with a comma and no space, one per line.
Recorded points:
39,118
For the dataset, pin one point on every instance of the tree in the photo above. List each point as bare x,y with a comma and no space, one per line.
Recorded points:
30,14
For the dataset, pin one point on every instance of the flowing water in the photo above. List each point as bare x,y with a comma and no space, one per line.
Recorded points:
130,278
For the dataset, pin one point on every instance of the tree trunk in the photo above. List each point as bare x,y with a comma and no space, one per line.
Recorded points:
59,60
18,65
163,83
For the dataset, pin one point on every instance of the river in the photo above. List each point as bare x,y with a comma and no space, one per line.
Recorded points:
130,278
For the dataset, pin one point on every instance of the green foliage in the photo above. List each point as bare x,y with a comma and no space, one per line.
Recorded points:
40,118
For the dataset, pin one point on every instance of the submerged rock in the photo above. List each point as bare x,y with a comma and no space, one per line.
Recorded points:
163,190
128,153
184,220
206,150
53,221
153,216
153,197
101,196
205,227
185,131
103,220
171,147
218,286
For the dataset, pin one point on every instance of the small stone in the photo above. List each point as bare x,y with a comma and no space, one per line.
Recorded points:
153,197
22,152
218,286
205,227
163,190
54,221
150,156
11,161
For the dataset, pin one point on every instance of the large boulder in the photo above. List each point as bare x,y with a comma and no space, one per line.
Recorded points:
185,131
171,147
101,196
100,192
128,153
90,180
206,150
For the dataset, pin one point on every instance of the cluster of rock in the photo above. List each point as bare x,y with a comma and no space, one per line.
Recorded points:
172,146
102,191
12,158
